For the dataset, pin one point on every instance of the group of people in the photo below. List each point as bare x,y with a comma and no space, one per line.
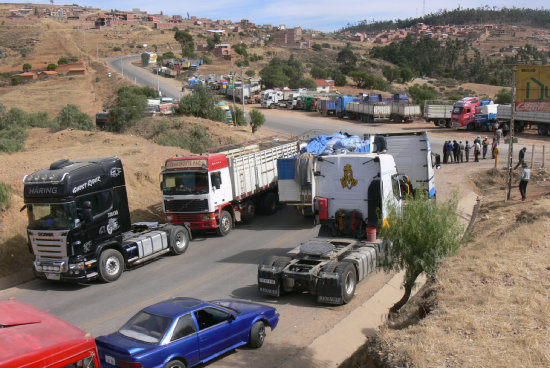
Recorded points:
456,151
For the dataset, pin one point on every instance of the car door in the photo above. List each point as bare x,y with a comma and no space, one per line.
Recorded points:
184,340
216,331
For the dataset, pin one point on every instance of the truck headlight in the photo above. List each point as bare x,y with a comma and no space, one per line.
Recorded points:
76,266
169,218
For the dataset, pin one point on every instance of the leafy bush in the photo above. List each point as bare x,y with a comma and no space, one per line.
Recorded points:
62,61
197,142
317,47
419,94
39,120
257,119
238,116
504,96
206,60
145,57
250,73
12,139
161,127
71,117
201,103
27,67
116,48
51,66
5,195
131,106
15,80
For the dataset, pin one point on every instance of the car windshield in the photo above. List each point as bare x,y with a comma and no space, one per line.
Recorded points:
146,327
51,215
457,110
189,182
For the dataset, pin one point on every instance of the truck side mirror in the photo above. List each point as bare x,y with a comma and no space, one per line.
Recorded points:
86,212
216,179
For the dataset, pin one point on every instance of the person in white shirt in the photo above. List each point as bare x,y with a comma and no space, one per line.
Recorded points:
524,180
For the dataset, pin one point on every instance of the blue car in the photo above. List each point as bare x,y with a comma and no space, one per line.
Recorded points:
183,332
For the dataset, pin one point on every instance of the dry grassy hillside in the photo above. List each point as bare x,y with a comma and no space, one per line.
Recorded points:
488,305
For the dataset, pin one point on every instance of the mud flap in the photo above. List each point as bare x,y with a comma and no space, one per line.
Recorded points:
269,281
329,289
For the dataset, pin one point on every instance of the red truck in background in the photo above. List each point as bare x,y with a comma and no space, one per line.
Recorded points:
30,337
463,114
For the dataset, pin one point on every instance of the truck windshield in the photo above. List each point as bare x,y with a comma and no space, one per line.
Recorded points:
51,215
457,110
190,182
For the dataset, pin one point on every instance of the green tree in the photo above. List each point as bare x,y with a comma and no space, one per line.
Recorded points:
347,58
51,67
145,57
422,93
71,117
307,83
240,48
318,73
422,235
274,76
390,73
257,119
339,78
405,74
504,96
185,39
63,60
201,103
27,67
130,107
317,47
250,73
238,116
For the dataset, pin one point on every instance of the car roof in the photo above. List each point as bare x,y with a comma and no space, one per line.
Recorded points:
175,307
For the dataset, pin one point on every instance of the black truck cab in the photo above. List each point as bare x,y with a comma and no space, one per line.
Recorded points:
79,222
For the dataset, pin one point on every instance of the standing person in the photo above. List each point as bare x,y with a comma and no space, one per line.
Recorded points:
493,146
477,150
467,151
478,139
521,157
461,151
498,135
450,151
524,180
445,154
455,151
485,145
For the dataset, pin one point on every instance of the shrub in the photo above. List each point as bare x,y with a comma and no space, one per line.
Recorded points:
39,120
27,67
162,127
71,117
197,142
116,48
250,73
145,58
238,116
257,119
206,60
62,61
5,195
317,47
201,103
51,66
15,80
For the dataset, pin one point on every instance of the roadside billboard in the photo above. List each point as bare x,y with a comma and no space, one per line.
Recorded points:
532,84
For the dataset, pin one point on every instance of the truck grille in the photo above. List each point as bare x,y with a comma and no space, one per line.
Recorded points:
51,244
186,205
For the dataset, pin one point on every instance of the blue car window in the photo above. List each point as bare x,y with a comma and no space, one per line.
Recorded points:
209,317
184,327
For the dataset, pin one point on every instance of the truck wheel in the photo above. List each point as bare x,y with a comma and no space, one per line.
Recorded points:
348,280
248,212
448,124
270,203
257,335
111,265
225,224
179,240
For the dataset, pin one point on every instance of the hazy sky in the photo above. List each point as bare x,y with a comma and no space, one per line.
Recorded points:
326,15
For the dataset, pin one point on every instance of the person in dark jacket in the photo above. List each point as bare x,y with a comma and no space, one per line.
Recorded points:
521,157
467,149
456,149
461,151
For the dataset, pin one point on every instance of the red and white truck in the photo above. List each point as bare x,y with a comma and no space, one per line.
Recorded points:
30,337
213,191
463,115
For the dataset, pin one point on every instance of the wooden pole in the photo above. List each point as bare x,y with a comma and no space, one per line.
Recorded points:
511,145
532,157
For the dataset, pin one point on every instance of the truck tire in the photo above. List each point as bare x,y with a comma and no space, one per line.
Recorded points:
248,212
179,240
226,222
270,203
348,280
448,124
257,335
111,265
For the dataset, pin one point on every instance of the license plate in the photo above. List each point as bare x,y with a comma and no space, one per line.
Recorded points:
53,276
109,359
267,281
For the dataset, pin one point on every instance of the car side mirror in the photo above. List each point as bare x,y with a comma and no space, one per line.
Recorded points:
231,318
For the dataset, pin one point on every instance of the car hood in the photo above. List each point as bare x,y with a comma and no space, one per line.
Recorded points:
245,307
121,344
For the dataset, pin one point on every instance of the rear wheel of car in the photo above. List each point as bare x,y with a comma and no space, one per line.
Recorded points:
179,240
348,280
226,223
111,265
175,364
257,334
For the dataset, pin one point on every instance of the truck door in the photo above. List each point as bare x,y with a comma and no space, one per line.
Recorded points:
105,220
374,197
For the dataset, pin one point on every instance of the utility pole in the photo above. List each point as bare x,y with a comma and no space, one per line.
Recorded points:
511,144
242,87
158,82
122,65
